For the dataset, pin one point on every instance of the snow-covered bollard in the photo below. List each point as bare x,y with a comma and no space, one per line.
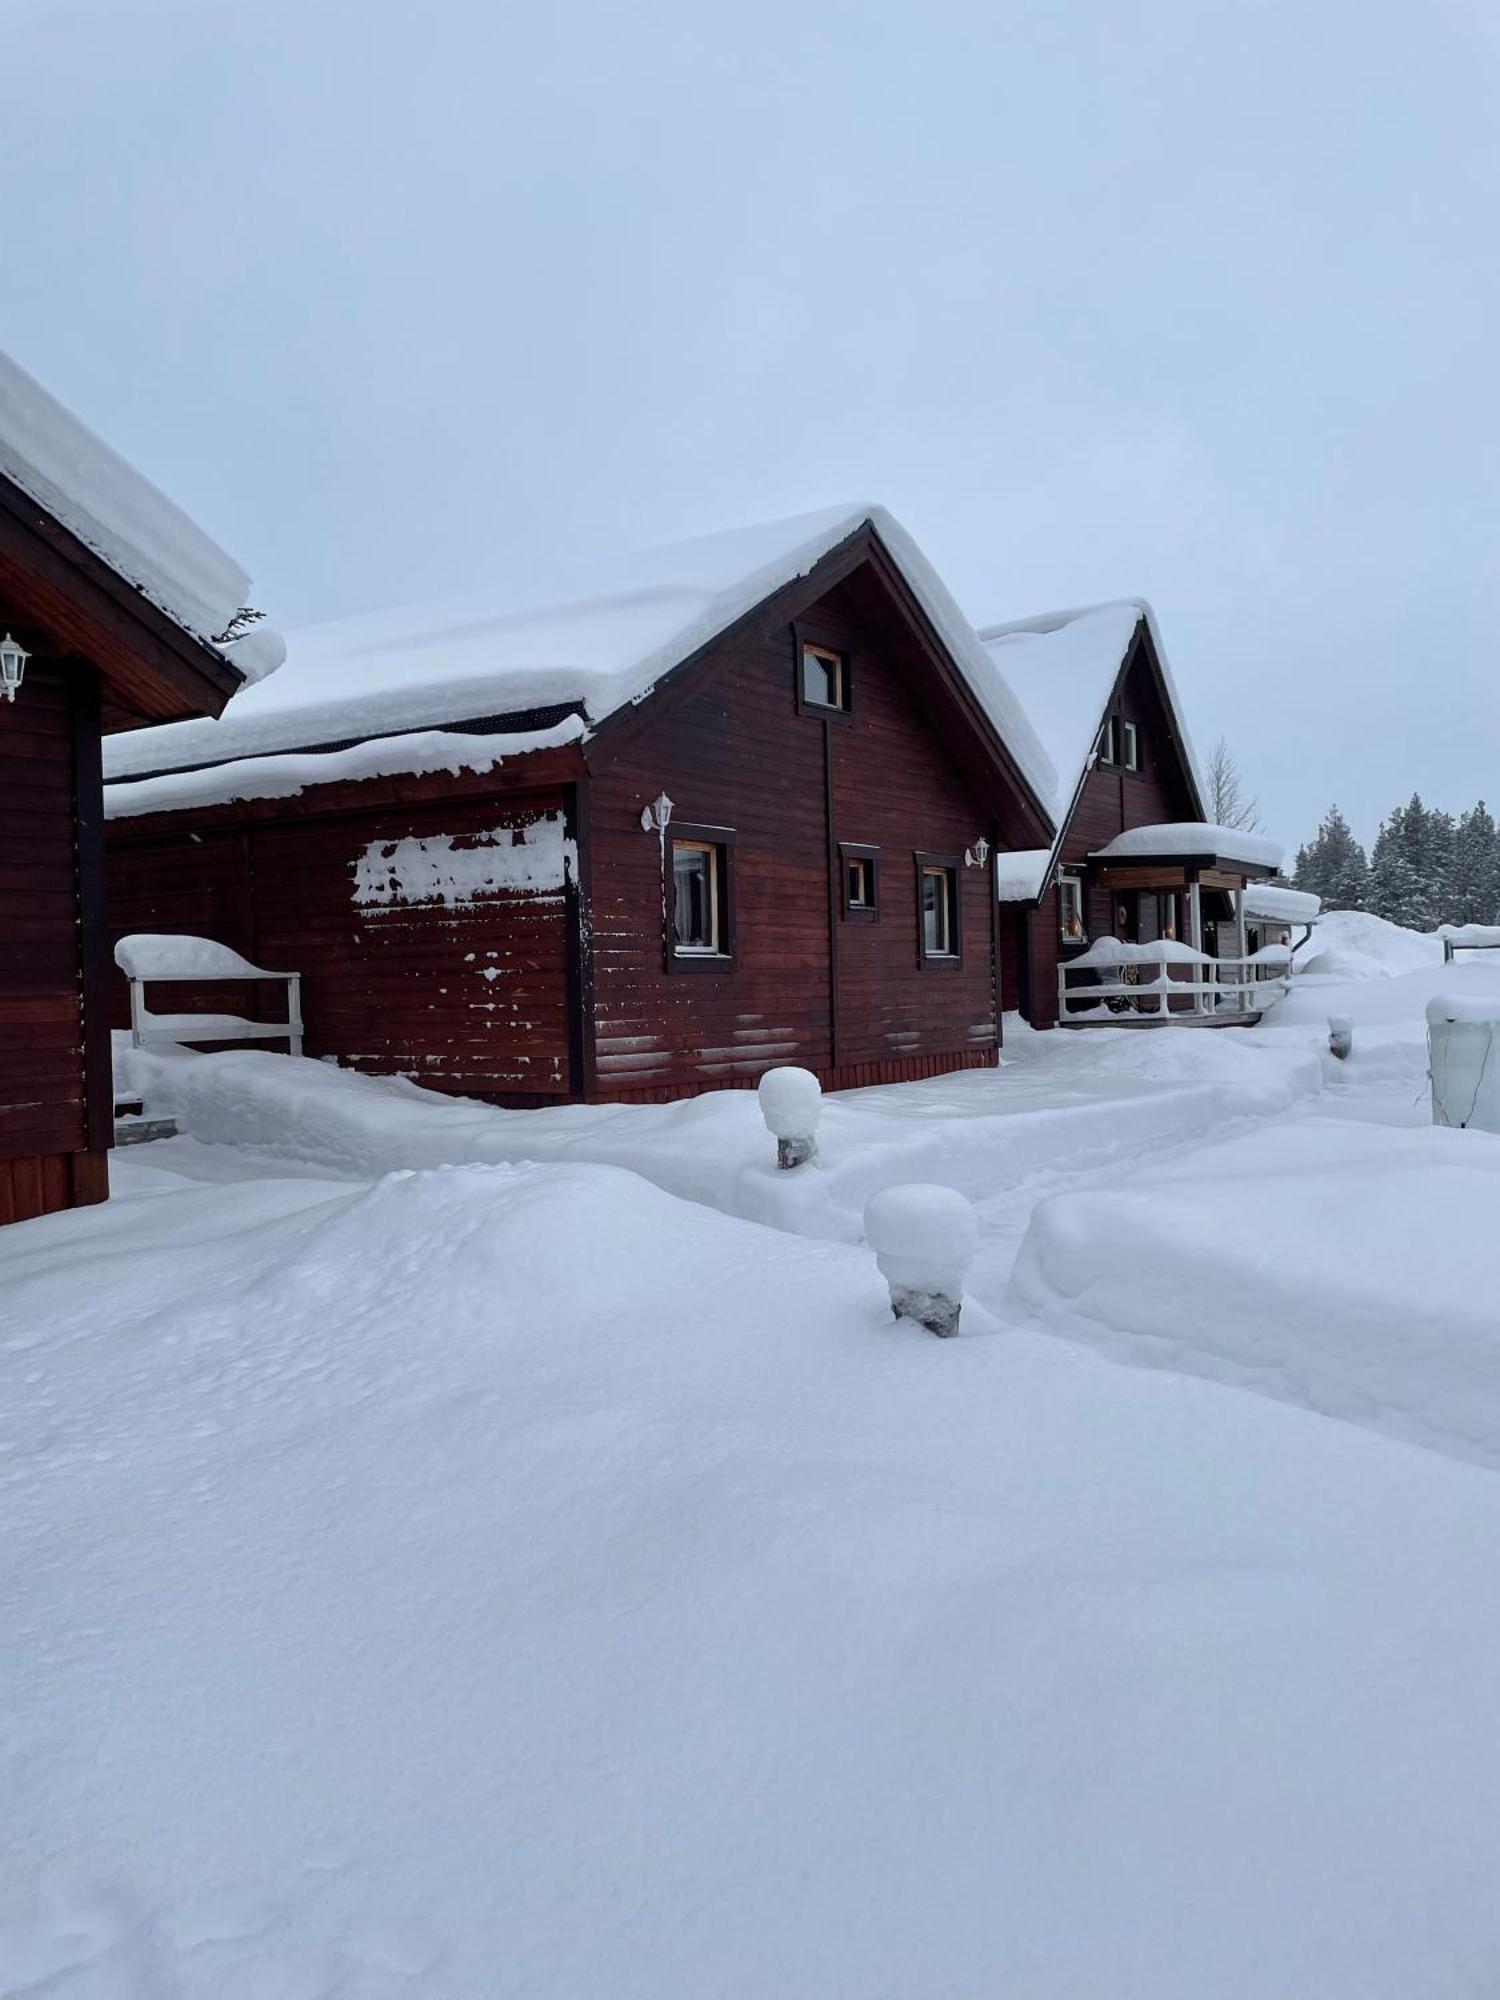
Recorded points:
924,1238
1340,1035
791,1102
1463,1060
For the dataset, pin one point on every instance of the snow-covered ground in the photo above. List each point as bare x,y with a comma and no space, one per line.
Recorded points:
435,1572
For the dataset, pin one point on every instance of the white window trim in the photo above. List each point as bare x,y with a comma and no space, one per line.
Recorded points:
950,889
715,948
1068,880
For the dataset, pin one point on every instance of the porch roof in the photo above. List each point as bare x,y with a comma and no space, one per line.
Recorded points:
1195,844
1282,905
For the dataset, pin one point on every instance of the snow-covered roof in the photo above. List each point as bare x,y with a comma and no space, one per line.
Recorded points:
143,537
1063,667
600,638
1019,874
1172,839
287,775
1280,904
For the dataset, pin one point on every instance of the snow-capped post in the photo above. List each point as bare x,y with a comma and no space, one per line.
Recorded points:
791,1102
1464,1062
924,1238
1340,1035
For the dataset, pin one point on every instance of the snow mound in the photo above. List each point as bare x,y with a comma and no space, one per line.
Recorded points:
512,1582
791,1102
1344,1267
1353,944
924,1237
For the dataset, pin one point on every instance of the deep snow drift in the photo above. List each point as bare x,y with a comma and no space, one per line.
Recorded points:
1348,1268
516,1581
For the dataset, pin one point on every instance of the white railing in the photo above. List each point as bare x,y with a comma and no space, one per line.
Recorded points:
1168,981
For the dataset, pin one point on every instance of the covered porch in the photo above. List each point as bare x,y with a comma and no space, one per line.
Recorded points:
1177,952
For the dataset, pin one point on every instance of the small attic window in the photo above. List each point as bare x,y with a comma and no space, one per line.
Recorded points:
1130,746
824,678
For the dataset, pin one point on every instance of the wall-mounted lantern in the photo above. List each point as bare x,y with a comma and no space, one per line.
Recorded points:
657,818
13,658
978,854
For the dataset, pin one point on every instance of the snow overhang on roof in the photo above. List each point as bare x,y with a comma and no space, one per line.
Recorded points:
1063,666
600,639
124,520
1021,873
1195,844
1280,904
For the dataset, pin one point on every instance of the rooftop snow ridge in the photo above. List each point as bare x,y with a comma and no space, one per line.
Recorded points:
1062,666
602,633
144,537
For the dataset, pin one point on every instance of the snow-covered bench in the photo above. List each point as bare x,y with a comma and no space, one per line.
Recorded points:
151,958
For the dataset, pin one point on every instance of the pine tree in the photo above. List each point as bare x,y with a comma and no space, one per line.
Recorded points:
1408,864
1333,865
1474,874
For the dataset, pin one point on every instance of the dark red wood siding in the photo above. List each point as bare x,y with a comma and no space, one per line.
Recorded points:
589,1002
45,1132
464,989
847,999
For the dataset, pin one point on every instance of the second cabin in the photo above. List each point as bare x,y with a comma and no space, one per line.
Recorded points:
1139,912
739,805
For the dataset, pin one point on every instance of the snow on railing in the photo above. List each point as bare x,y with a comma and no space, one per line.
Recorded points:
161,959
1168,979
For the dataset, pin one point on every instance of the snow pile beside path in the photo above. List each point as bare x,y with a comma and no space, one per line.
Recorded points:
1345,1267
516,1583
1352,944
1061,1101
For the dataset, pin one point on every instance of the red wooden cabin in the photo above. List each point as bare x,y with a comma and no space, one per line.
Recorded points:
109,592
1096,686
737,806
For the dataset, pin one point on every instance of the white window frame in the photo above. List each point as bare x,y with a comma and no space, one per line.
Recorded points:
1130,746
715,854
949,946
1070,887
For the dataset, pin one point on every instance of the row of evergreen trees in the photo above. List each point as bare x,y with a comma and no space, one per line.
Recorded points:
1426,867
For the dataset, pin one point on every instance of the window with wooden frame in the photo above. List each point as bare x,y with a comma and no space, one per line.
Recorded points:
822,677
1070,922
938,938
859,869
700,907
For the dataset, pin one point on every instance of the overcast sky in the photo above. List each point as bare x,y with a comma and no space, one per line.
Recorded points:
1195,301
